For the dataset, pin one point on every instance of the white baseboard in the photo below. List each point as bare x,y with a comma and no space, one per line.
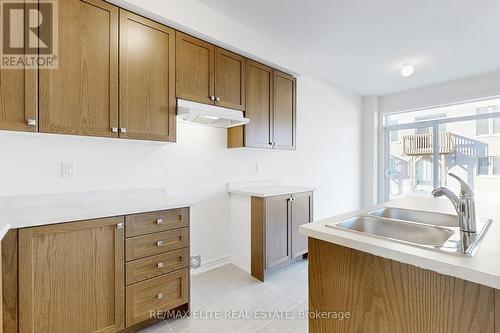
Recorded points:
211,264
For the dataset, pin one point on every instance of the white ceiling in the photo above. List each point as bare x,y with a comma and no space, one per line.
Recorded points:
362,44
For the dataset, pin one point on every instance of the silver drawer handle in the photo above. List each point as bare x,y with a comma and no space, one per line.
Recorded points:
159,296
159,221
161,243
31,122
119,226
123,130
160,265
114,129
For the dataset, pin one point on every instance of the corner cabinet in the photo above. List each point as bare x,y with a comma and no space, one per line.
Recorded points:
147,79
275,236
271,108
71,277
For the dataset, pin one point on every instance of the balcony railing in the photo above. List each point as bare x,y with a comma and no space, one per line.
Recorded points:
423,144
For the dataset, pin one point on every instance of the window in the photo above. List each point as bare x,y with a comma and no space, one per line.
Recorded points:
488,126
393,135
414,161
483,166
496,166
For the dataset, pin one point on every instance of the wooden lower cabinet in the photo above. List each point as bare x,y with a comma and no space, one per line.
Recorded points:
74,276
71,277
387,296
275,236
153,296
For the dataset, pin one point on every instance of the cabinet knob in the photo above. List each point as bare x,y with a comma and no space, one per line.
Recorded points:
31,122
160,243
217,99
123,130
159,295
114,129
159,221
119,226
160,265
212,98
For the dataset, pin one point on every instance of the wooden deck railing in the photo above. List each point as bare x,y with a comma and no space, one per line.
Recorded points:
423,144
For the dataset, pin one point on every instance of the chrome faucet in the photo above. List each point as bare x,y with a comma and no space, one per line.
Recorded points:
464,204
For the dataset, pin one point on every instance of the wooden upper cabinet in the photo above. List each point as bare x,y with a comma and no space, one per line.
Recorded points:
71,277
259,105
81,96
18,102
194,69
284,111
147,79
229,79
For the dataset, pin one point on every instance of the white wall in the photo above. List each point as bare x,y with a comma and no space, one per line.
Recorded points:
198,166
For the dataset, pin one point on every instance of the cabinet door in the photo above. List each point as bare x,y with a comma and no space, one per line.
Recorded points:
194,69
229,79
71,277
284,111
302,208
147,79
81,96
18,102
278,210
259,102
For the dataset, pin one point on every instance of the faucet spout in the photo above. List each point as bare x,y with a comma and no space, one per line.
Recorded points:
443,191
464,205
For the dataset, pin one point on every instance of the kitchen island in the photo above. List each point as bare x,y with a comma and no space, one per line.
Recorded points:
387,286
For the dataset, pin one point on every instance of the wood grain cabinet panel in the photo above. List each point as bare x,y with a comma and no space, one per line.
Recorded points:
259,104
143,246
18,100
302,213
147,223
275,236
162,293
278,211
194,69
383,295
149,267
81,96
147,79
71,277
284,111
229,79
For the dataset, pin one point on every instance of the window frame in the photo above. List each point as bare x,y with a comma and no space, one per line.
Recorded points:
385,129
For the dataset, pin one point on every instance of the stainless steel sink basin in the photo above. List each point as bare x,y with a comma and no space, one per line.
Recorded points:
446,220
439,232
399,230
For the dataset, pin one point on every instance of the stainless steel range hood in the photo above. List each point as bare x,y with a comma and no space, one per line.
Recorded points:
209,115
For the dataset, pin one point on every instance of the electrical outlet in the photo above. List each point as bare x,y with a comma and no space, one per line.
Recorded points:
67,170
195,261
258,168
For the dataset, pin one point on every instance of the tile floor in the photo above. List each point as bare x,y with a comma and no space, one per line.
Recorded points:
230,293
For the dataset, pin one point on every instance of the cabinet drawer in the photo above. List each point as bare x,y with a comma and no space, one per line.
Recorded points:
162,293
146,268
148,223
148,245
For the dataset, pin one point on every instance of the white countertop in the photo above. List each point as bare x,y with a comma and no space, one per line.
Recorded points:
483,268
29,211
270,190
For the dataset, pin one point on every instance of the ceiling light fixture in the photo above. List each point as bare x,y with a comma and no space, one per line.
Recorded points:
407,70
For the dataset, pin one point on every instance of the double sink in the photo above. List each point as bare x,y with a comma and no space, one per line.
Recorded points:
436,231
